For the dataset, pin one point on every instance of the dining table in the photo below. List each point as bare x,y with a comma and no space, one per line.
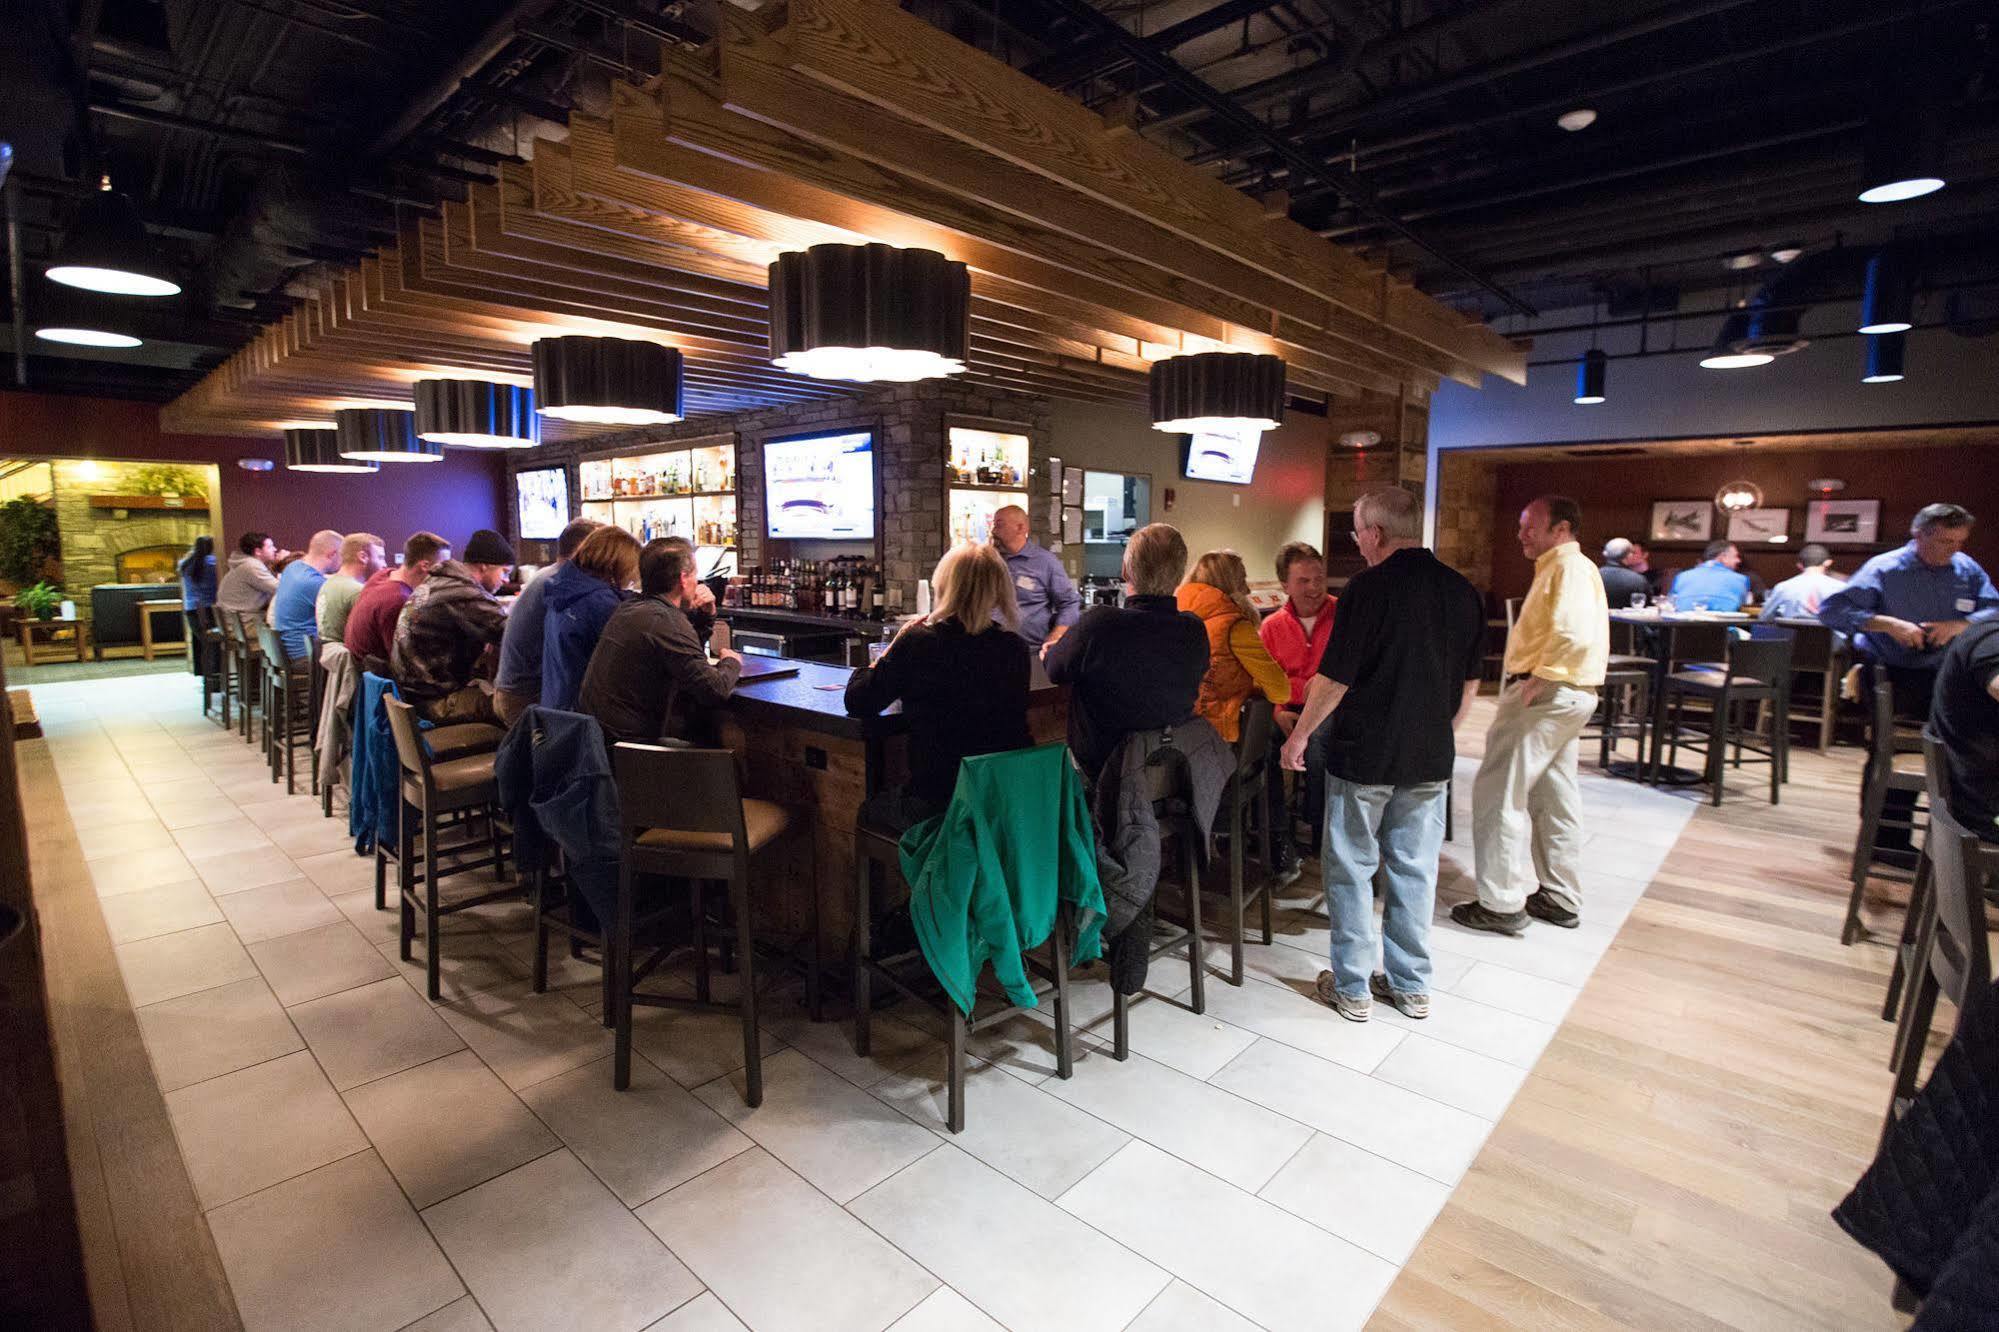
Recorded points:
1669,639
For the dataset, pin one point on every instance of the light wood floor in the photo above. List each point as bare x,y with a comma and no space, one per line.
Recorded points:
1672,1160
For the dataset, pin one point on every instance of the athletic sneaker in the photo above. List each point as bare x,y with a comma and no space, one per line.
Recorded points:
1355,1008
1541,905
1288,867
1408,1005
1474,916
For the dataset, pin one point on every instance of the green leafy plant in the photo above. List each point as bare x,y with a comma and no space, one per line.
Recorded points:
166,479
28,540
40,601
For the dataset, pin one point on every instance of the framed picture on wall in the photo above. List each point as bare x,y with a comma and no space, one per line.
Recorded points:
1759,527
1689,521
1843,522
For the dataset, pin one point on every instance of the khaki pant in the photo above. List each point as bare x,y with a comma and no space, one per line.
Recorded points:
509,706
1526,811
473,703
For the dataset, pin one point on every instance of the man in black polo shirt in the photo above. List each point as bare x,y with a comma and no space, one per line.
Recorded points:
1964,712
1397,678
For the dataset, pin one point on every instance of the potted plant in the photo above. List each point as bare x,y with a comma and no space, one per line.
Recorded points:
39,601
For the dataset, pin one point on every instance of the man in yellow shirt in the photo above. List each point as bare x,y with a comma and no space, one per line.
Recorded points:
1526,811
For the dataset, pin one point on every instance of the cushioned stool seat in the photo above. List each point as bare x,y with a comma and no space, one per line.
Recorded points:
763,822
470,775
462,738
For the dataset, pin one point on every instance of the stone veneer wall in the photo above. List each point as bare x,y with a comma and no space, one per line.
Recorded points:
910,442
1466,491
92,539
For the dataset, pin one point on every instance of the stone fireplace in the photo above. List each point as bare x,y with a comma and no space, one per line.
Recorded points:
126,522
149,564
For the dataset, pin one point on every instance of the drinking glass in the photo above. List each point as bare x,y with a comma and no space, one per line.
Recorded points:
1638,601
875,651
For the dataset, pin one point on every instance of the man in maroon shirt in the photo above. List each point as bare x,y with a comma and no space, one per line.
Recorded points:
371,625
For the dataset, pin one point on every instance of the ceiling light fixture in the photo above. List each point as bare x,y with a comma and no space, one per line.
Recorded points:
318,450
1216,392
88,337
1904,155
1579,119
1360,439
1741,260
106,249
1727,353
869,314
1884,307
376,434
1884,359
475,414
608,381
1591,372
1737,496
1785,253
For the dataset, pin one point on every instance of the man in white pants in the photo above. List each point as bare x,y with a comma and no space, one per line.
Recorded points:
1526,812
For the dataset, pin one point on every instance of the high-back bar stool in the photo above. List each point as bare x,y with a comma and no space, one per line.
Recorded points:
1170,785
1889,768
1754,670
1245,799
288,720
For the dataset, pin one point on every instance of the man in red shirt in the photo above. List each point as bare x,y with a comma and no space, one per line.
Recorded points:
1295,635
371,625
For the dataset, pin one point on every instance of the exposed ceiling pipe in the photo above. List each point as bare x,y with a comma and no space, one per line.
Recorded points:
168,120
17,286
1087,59
482,52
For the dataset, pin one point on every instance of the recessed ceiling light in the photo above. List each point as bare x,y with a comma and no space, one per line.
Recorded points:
1579,119
1784,254
1742,259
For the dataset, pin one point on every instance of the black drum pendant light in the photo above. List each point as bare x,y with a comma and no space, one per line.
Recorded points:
474,414
379,434
317,449
869,313
1886,301
1217,392
107,249
607,381
1592,372
1884,359
1903,157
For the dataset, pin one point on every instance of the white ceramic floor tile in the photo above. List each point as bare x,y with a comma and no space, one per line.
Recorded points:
277,909
1477,1027
170,965
185,811
261,1125
1361,1197
208,840
312,835
234,872
1516,992
945,1310
833,1133
641,1141
1251,1256
344,872
1299,1020
1014,1254
370,1032
892,1045
1452,1074
1181,1308
134,871
1017,1129
461,1315
142,834
548,1246
1167,1032
211,1032
316,963
1425,1135
336,1248
523,1036
692,1047
703,1313
782,1256
1218,1131
445,1126
164,910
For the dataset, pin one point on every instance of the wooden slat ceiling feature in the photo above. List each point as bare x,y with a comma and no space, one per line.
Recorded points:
1091,252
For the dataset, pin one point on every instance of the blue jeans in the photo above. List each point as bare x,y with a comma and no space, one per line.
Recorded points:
1401,830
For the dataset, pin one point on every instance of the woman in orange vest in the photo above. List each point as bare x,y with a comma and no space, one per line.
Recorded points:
1218,591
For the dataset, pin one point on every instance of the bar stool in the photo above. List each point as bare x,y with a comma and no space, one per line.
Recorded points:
1756,670
208,651
1625,706
685,817
441,744
1887,769
1950,958
431,788
1170,786
243,670
1247,798
287,697
1922,904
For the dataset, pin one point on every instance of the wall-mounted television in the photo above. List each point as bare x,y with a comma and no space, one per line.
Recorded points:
1216,456
820,487
541,500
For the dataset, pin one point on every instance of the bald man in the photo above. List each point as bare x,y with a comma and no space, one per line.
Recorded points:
1048,601
294,606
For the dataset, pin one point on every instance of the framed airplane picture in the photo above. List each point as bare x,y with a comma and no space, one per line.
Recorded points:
1759,527
1843,522
1689,521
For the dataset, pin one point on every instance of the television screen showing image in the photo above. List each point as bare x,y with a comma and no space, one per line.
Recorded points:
820,487
1221,457
542,498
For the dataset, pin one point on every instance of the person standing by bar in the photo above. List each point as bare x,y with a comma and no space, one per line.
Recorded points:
518,682
1295,635
1396,682
197,593
1526,810
1048,602
294,605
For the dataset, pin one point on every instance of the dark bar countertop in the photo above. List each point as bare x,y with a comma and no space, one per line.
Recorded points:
815,700
832,624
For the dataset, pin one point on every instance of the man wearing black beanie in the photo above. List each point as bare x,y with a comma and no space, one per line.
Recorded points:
448,629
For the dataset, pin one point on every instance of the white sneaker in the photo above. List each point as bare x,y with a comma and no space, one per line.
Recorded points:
1358,1008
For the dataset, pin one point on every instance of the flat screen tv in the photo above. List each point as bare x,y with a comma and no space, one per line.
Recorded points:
1220,457
820,487
542,500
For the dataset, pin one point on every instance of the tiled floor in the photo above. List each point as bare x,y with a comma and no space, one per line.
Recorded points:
368,1160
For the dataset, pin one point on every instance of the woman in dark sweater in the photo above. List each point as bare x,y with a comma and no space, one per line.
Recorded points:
961,674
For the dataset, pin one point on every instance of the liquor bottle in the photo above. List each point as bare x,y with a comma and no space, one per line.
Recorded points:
876,601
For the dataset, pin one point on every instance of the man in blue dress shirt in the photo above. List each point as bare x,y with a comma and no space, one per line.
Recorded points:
1048,601
294,606
1713,584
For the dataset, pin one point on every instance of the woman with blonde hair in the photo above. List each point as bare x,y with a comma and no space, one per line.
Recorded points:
1238,664
961,674
581,595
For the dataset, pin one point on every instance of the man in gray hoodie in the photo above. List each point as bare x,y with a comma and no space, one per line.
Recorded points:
248,586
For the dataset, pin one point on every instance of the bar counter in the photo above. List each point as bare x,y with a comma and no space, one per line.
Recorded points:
800,749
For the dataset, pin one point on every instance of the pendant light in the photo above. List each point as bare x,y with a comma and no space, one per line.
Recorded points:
1217,392
475,414
1737,496
79,318
106,249
381,434
1904,154
1591,372
608,381
87,337
1884,307
317,449
1884,359
1729,352
869,314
